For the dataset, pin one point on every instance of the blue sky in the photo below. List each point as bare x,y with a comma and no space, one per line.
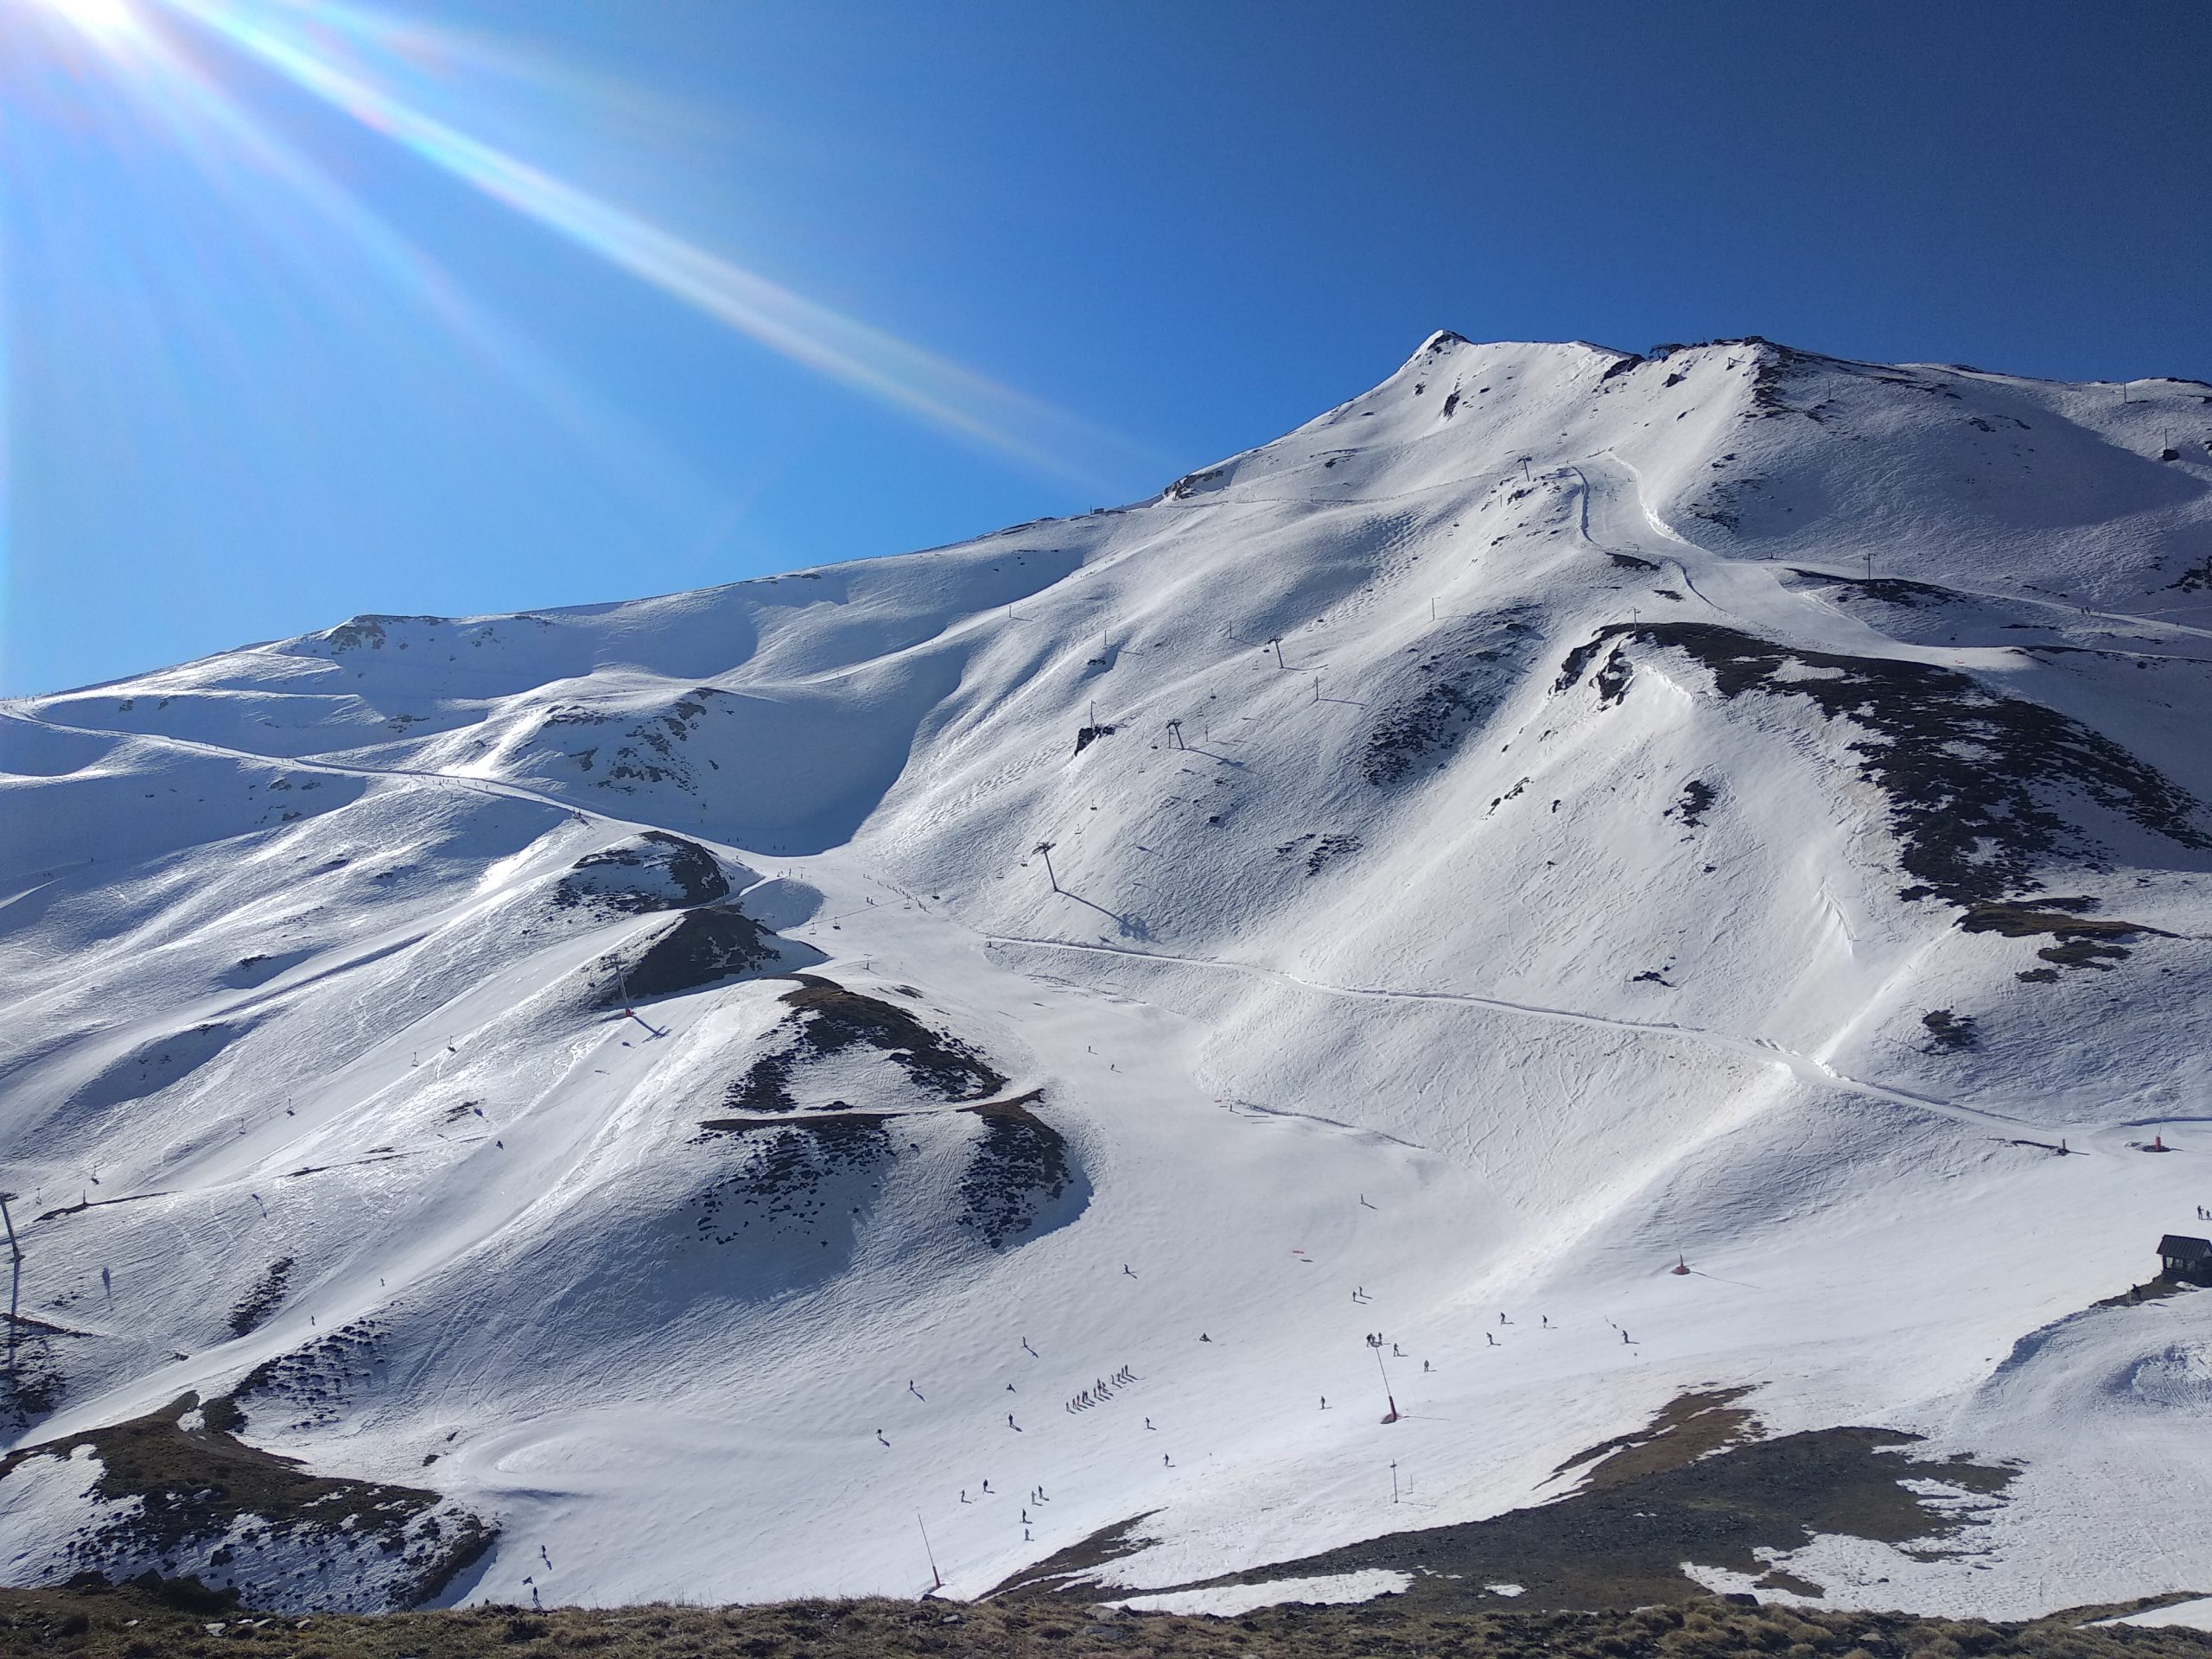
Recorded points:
455,306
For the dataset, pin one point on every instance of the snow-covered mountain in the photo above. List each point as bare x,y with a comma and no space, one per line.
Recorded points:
693,1086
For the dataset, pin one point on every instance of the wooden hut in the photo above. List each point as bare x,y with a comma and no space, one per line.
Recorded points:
2185,1259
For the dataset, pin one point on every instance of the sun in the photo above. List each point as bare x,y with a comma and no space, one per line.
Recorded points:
104,20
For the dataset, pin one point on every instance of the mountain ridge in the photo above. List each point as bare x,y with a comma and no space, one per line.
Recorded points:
1557,815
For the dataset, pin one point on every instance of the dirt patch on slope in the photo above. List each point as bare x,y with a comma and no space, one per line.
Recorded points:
1693,1425
2081,941
1656,1501
198,1501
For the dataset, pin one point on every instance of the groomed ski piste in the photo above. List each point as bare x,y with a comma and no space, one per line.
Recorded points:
1612,877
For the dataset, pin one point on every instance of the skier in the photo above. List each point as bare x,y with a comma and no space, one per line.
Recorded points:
1397,1352
1424,1366
1325,1403
1489,1339
1623,1333
1147,1422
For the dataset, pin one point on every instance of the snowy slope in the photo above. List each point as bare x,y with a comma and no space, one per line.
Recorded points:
1557,812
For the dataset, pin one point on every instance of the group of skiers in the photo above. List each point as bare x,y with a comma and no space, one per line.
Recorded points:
1098,1393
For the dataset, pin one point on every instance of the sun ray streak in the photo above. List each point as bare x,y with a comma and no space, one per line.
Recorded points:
940,392
8,461
191,102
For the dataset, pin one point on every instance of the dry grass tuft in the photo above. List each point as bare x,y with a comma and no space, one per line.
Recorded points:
132,1623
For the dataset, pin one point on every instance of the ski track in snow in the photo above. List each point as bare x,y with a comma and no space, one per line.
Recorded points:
1803,1065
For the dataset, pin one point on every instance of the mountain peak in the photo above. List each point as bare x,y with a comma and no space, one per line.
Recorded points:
1645,860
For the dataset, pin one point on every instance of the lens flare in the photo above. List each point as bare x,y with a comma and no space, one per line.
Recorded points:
941,393
104,20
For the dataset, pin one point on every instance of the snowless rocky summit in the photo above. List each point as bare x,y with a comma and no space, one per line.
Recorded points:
680,1088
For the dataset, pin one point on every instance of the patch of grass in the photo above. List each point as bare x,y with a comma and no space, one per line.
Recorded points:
2083,941
135,1624
1693,1425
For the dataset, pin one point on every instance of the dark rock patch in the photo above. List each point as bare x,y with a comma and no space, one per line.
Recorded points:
313,1381
144,1618
1192,483
1909,595
786,1164
251,1309
826,1019
34,1382
241,1520
1320,850
1019,1167
1471,669
1949,1032
700,946
1697,799
653,870
1968,775
1074,1569
2081,941
1691,1426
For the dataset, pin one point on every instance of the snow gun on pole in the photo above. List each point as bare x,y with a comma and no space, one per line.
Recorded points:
1391,1416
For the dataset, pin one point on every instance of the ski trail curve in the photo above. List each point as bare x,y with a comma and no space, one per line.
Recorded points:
495,786
1808,1068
